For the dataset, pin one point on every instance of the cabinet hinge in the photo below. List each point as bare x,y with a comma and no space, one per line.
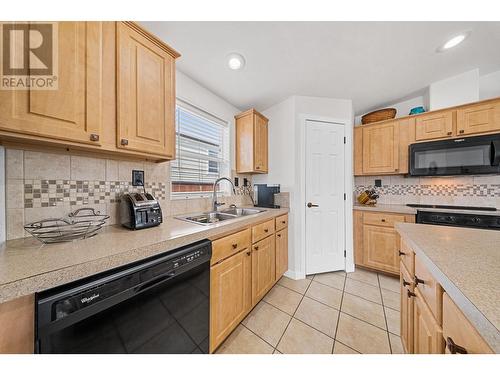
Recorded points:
344,140
345,197
345,253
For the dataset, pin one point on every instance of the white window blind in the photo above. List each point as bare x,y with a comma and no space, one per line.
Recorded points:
201,151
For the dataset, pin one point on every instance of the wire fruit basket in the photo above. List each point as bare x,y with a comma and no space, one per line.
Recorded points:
79,224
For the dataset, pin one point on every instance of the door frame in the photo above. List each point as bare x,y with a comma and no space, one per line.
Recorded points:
300,251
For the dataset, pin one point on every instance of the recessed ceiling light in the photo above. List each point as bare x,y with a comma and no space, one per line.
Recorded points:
235,61
453,42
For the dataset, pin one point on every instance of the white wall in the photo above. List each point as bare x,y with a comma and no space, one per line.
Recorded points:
192,92
460,89
286,126
489,86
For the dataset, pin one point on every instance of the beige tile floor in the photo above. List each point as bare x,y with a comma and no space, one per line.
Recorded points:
325,313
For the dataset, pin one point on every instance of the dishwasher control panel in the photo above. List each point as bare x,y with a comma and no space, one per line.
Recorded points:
187,258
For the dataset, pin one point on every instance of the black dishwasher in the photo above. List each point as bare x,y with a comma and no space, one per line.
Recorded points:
158,305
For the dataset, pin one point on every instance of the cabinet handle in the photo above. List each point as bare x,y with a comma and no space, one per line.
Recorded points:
235,245
449,133
454,348
383,220
266,230
462,131
418,281
401,253
279,235
405,283
396,169
124,142
283,222
257,167
249,253
411,294
94,137
256,248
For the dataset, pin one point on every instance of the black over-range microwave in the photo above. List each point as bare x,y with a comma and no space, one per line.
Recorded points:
460,156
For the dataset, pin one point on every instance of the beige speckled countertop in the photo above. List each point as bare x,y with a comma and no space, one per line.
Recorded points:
404,209
27,266
466,262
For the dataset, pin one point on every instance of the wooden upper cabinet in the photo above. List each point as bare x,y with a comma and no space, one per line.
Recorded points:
263,268
72,112
145,92
459,334
230,295
434,125
251,142
381,148
427,333
482,118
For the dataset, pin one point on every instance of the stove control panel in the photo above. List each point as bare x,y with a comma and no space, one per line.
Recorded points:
459,219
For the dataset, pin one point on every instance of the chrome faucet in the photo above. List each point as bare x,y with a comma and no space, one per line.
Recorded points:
216,204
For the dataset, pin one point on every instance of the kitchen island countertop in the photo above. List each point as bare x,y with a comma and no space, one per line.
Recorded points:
466,262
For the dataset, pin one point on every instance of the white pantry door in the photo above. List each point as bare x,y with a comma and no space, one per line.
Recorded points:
324,185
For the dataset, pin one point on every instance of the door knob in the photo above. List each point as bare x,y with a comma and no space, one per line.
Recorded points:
312,205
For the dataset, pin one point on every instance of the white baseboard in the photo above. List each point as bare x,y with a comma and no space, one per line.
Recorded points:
295,275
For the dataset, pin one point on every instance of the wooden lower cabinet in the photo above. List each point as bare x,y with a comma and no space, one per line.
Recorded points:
406,321
263,268
231,295
240,277
376,242
459,335
427,333
281,252
17,326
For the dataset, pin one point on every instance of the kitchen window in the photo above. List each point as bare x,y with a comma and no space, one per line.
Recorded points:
202,146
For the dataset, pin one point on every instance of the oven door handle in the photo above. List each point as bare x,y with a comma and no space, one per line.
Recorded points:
152,283
495,153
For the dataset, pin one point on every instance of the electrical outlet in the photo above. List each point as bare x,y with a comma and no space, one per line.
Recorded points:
236,181
245,181
137,178
378,183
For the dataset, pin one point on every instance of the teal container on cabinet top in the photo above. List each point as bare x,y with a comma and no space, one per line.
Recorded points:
417,110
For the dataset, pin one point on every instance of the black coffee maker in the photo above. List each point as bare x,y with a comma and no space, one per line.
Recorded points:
263,195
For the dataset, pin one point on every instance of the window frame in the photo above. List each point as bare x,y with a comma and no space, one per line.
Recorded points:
224,166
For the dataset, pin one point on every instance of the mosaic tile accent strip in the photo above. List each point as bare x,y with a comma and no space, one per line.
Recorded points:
47,193
483,190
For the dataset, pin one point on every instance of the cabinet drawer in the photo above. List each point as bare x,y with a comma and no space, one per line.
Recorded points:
262,230
229,245
407,257
431,291
382,219
281,222
457,330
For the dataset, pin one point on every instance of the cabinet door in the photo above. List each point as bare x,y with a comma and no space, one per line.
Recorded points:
263,267
73,111
358,151
379,248
381,148
432,126
427,334
478,119
145,94
459,334
230,295
406,328
281,252
260,144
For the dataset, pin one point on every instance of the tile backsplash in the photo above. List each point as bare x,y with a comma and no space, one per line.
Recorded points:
459,190
43,185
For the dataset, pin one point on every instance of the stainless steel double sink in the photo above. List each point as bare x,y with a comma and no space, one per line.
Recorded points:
212,217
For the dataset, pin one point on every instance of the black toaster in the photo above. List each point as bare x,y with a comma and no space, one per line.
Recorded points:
139,211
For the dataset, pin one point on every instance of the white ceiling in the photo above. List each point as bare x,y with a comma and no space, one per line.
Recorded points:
372,63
